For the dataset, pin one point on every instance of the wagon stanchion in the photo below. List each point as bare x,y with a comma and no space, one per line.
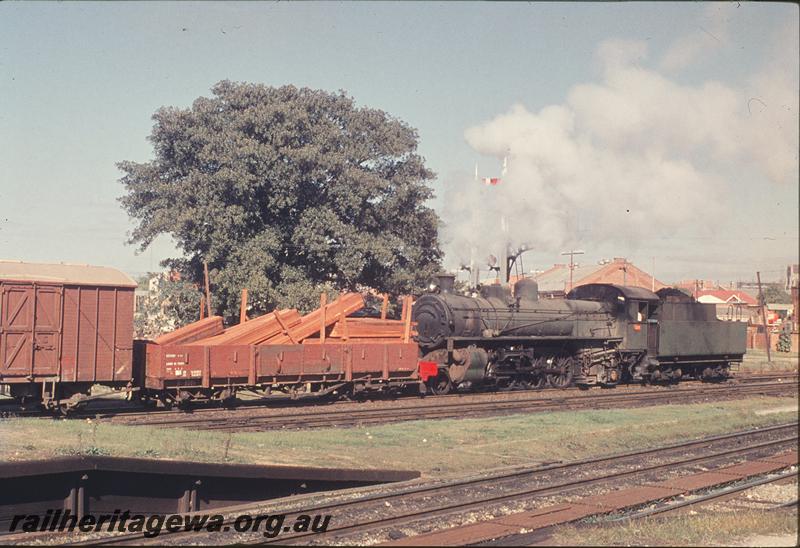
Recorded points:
207,286
323,326
243,307
384,306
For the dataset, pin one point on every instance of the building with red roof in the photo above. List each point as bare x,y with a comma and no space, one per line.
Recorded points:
555,282
725,296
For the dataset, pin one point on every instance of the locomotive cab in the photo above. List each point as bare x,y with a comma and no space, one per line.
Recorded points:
636,314
635,310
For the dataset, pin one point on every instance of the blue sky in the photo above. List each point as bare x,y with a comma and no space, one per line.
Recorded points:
79,82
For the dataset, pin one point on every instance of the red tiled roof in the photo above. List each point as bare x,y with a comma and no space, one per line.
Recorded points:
556,279
727,295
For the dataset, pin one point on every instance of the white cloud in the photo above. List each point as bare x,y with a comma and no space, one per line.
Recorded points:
632,156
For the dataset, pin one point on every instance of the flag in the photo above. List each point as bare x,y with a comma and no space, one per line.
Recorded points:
491,181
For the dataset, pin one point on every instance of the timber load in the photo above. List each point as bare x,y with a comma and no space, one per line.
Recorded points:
255,331
207,327
330,323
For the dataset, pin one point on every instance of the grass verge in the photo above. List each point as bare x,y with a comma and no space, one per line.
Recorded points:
433,447
756,361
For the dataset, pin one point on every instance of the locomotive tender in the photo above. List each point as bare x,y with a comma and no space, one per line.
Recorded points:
601,334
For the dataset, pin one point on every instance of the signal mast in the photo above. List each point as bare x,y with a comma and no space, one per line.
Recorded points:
503,265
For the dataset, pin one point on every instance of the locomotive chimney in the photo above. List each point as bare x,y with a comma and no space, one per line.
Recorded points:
446,282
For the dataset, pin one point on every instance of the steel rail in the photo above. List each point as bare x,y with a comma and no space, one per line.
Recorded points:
664,507
10,409
558,395
454,409
709,496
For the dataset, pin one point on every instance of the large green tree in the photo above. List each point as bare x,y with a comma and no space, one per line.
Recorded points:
287,192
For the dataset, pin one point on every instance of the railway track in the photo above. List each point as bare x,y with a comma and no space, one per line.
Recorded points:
352,415
106,408
377,513
532,527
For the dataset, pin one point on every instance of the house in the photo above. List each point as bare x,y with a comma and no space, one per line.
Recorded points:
725,296
555,282
732,304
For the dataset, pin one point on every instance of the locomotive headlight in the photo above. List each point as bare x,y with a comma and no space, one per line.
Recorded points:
433,287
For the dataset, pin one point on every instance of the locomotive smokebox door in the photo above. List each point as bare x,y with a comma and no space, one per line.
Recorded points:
433,319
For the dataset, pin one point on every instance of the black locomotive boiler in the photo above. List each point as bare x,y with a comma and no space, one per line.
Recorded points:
600,334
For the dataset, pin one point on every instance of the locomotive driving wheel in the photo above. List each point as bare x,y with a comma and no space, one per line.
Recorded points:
563,366
538,378
440,384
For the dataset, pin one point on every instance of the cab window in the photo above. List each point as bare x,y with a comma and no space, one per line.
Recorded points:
643,312
639,311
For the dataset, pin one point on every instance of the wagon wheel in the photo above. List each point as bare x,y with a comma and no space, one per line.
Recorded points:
563,378
28,403
440,384
65,408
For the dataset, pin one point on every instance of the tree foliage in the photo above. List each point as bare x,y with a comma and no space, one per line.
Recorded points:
287,192
172,304
774,293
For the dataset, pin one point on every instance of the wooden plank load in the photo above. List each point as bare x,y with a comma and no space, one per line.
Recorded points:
329,323
255,331
322,318
369,328
203,329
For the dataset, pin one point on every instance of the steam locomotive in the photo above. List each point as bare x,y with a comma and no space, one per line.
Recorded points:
601,334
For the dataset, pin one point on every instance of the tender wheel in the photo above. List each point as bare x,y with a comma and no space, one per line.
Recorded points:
562,379
440,384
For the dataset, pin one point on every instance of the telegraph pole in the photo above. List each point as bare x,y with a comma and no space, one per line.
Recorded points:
653,277
571,254
763,303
